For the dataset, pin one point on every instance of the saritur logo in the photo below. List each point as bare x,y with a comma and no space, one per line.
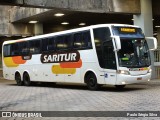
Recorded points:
58,57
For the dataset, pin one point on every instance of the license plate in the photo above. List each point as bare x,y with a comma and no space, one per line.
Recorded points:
139,78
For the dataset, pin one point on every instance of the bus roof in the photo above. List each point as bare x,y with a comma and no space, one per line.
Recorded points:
67,31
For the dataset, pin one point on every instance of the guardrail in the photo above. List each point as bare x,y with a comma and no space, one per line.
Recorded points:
157,55
157,63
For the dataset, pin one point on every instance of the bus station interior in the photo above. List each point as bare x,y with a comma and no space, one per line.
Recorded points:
18,21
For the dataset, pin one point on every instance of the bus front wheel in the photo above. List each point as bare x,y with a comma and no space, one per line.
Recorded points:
26,79
18,79
91,81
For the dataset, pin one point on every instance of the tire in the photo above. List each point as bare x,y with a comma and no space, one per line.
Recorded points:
119,87
91,81
18,79
26,79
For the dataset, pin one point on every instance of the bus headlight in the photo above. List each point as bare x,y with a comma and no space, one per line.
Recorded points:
149,70
123,72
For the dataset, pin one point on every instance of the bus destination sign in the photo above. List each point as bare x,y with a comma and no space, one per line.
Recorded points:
127,30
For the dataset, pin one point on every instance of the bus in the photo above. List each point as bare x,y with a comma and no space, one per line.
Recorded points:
105,54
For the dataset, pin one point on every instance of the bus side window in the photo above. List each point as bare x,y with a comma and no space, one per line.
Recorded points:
14,49
48,44
6,50
77,40
104,48
109,55
82,40
86,41
34,46
59,42
68,42
51,44
44,44
24,48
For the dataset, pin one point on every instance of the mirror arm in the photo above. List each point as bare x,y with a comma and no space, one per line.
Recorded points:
117,42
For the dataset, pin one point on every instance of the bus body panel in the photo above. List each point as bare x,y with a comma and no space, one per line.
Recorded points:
110,77
65,71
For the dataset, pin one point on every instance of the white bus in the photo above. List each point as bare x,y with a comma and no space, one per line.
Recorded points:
113,54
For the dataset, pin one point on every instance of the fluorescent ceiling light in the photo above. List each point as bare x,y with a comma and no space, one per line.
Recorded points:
82,24
157,26
58,14
133,19
64,23
33,21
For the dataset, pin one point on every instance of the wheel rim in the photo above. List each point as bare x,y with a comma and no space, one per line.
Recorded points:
18,80
26,80
92,82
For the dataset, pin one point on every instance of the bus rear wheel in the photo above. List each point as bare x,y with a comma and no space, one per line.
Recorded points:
18,79
26,79
91,81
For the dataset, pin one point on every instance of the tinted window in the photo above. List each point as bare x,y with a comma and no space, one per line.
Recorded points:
82,40
104,48
23,48
101,35
108,55
60,42
48,44
7,50
34,46
68,41
14,49
86,41
51,44
78,40
64,42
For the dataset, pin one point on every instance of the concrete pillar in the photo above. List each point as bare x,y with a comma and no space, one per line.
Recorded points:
158,37
144,20
38,29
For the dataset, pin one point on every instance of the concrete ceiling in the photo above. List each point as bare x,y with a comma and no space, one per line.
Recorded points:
74,18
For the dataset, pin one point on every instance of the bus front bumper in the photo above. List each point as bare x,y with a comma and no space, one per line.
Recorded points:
123,79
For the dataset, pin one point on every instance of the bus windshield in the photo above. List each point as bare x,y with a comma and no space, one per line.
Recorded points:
134,49
134,53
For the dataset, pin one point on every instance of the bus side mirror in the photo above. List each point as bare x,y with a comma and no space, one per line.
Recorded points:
117,42
152,43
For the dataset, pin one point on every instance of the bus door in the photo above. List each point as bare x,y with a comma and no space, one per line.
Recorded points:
105,54
109,62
